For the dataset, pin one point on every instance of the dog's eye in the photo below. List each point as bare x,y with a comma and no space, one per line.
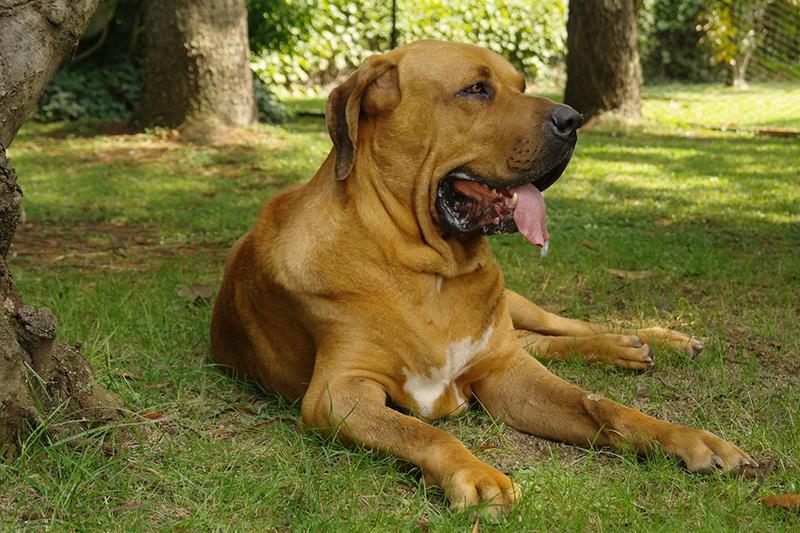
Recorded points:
475,90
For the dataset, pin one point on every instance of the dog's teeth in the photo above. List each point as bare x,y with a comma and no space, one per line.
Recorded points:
545,248
514,200
496,220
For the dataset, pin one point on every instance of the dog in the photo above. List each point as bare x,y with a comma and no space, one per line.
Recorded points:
371,293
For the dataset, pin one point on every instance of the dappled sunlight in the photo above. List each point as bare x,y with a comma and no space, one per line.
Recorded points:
733,178
185,192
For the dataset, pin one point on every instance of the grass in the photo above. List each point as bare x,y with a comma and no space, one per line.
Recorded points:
116,225
767,105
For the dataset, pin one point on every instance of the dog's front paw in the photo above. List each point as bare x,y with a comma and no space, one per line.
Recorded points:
480,484
690,346
702,451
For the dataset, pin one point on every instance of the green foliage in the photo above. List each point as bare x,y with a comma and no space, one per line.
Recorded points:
108,91
531,35
705,40
270,109
341,33
105,84
669,40
304,45
732,29
780,49
276,25
763,32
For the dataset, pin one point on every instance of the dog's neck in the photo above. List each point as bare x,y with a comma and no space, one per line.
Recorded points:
396,214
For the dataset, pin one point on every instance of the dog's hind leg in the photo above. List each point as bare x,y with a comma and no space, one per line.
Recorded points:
527,315
627,351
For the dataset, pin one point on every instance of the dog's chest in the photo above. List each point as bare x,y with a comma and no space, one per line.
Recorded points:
434,391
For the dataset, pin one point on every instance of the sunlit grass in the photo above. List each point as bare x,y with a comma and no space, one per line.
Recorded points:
766,105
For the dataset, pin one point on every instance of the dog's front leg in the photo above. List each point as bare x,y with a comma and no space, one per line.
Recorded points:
528,397
354,410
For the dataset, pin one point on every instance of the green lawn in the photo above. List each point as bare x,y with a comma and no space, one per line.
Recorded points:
116,225
768,105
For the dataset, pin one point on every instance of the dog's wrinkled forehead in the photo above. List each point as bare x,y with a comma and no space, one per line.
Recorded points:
429,64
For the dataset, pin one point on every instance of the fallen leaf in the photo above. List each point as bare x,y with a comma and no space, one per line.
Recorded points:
784,501
160,385
664,222
630,274
152,415
196,292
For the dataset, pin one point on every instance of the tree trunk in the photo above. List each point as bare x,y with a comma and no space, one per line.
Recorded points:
40,379
197,74
603,68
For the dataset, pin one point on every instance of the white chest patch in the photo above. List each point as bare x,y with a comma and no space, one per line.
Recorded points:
427,389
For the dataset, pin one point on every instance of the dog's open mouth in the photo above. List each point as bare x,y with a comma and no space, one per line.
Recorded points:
468,203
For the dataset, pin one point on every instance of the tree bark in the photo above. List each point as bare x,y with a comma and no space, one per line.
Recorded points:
197,73
35,37
40,379
603,68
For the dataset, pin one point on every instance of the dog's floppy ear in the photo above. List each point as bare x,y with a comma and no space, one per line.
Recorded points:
372,89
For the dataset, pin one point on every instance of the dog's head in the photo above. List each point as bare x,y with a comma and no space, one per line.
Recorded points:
449,126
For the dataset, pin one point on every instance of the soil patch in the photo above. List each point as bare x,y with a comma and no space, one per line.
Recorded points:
100,245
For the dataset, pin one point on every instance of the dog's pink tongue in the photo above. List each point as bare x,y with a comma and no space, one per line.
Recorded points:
530,215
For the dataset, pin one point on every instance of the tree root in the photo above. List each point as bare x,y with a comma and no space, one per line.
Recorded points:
43,382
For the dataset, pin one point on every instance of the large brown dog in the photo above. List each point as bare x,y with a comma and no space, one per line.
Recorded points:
374,282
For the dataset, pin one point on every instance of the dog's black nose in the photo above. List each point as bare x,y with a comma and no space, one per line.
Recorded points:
565,121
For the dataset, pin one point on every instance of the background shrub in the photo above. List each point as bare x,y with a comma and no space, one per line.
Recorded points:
670,47
108,91
303,46
334,36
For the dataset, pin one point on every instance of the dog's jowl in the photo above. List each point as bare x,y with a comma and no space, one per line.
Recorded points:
373,283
